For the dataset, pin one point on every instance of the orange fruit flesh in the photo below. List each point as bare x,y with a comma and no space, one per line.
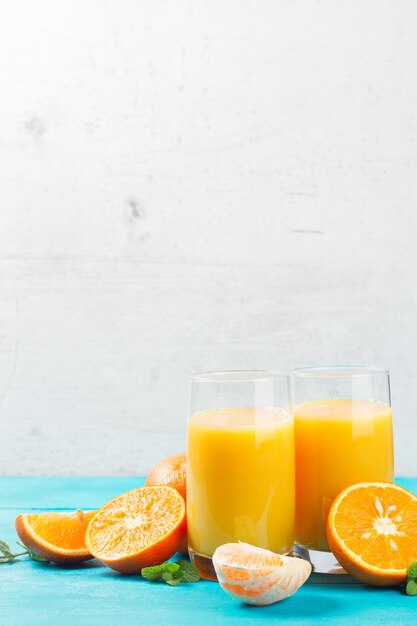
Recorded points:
58,537
372,530
139,528
59,530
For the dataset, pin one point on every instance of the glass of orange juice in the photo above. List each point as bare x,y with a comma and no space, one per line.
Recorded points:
240,464
343,435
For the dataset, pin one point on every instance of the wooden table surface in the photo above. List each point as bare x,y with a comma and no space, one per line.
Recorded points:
42,594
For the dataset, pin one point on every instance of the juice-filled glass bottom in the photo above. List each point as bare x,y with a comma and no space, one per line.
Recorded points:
203,564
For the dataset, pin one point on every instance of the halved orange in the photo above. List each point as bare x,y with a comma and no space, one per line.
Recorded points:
372,531
140,528
57,537
257,576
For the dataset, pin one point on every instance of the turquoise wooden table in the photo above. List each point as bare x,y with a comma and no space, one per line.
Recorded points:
41,594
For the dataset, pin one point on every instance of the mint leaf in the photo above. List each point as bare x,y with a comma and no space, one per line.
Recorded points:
172,573
157,571
172,578
189,572
412,571
174,582
411,588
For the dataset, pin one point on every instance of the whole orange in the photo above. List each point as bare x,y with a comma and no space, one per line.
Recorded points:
171,472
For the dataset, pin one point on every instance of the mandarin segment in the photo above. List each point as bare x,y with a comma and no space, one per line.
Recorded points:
372,531
258,576
138,529
57,537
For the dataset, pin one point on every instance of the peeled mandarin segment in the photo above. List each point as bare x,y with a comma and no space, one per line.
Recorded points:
258,576
372,530
58,537
140,528
247,556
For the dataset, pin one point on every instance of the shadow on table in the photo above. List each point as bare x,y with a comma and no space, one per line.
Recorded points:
84,565
303,607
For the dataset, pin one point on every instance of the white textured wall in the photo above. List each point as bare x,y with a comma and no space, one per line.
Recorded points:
190,185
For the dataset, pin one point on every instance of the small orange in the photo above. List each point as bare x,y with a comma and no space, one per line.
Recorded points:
57,537
139,528
172,472
258,576
372,531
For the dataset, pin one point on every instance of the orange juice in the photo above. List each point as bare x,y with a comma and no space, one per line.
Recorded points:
338,442
240,479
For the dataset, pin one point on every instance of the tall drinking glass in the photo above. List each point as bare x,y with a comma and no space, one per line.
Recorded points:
240,464
343,435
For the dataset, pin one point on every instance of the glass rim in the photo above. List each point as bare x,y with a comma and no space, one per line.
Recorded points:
346,371
237,376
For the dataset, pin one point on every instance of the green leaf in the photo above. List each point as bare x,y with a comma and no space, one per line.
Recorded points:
172,578
6,559
157,571
411,588
189,572
174,582
172,573
7,554
5,550
412,571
